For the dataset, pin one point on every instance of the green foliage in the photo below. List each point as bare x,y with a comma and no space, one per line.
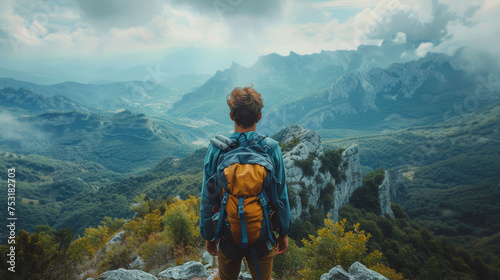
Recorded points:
287,266
101,138
166,234
288,146
292,196
181,222
172,177
334,245
47,189
330,161
366,197
326,197
47,254
467,214
413,250
308,223
306,165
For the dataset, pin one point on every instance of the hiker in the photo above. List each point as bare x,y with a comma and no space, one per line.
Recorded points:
236,174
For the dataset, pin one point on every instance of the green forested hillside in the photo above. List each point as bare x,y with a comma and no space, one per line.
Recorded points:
411,249
45,185
450,174
164,233
416,248
172,177
71,195
123,142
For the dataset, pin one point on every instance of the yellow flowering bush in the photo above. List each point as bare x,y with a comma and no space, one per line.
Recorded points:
334,246
181,225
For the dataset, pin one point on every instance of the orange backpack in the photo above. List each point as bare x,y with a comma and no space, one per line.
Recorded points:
247,186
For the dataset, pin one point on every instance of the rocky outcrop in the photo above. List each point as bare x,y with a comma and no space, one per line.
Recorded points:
124,274
336,273
357,271
398,185
360,272
384,196
117,239
350,167
208,259
186,271
138,263
302,153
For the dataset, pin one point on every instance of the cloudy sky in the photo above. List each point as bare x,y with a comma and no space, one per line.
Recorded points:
207,35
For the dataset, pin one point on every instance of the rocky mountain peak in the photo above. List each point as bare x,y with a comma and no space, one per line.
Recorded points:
308,141
311,176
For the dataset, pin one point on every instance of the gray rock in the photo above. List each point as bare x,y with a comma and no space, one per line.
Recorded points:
138,263
309,147
245,276
360,272
89,278
336,273
124,274
184,272
118,238
351,168
209,259
384,196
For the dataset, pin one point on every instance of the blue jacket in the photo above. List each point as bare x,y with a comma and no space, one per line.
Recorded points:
210,196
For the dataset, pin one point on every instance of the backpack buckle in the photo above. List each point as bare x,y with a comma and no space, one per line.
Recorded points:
262,200
224,199
241,211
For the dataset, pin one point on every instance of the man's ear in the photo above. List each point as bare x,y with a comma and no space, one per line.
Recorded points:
231,115
260,116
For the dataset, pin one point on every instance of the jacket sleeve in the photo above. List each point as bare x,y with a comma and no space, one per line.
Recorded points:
209,194
285,222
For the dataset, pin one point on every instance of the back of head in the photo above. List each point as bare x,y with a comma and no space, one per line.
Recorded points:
245,105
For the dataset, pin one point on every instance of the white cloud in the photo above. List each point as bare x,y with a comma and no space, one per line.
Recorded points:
345,4
400,38
172,28
423,49
482,34
97,30
15,131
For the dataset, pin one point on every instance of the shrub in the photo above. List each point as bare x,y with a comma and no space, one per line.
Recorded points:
157,252
333,246
181,225
287,266
306,165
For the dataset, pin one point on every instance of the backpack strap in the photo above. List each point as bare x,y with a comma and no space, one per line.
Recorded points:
241,214
255,260
222,216
263,201
268,144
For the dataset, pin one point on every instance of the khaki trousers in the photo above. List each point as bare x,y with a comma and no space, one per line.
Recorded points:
229,269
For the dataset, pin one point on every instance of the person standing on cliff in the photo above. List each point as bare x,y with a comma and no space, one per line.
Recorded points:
230,244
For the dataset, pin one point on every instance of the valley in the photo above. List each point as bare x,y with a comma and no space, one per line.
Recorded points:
83,152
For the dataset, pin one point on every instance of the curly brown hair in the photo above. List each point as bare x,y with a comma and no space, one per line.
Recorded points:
245,105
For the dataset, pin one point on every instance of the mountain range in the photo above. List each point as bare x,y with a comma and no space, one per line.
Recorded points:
428,121
282,79
135,95
123,142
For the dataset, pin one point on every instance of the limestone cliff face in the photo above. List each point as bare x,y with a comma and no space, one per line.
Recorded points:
312,185
384,196
303,146
352,179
